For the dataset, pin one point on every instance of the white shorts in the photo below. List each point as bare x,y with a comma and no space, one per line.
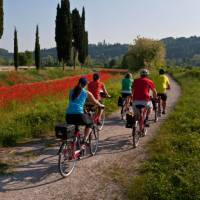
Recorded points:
147,104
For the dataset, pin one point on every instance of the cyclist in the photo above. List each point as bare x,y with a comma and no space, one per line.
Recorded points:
141,92
126,91
74,112
96,87
162,83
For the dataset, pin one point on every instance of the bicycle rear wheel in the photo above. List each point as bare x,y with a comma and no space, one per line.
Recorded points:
136,134
102,121
93,141
66,160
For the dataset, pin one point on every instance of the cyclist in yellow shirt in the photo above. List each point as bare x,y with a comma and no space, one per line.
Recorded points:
162,84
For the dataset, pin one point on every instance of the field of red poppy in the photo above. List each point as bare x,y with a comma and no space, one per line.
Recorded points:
31,110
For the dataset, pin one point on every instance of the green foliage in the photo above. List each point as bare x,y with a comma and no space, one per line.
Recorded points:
173,170
39,117
144,53
25,59
37,49
1,18
16,58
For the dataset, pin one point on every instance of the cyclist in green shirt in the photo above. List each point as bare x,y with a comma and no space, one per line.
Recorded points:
127,88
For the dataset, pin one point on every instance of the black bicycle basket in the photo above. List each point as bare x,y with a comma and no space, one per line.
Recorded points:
64,131
129,120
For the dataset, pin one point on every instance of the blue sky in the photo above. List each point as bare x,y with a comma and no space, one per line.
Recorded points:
112,20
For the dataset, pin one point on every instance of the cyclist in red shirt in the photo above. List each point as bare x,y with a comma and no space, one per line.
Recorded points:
96,87
140,90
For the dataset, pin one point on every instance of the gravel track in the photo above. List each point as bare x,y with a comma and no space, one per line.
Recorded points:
39,179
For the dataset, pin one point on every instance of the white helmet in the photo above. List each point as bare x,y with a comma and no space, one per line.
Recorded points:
144,72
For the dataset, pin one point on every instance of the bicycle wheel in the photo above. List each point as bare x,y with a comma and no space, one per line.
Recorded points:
93,141
156,114
66,161
136,134
102,121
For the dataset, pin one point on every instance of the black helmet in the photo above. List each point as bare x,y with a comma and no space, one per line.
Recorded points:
96,76
129,75
161,71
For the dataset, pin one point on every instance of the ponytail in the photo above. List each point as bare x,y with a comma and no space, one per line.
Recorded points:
76,92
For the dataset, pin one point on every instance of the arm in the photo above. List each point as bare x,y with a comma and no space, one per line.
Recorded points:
93,100
168,84
105,91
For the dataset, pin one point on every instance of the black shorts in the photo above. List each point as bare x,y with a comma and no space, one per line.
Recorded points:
79,119
125,95
163,96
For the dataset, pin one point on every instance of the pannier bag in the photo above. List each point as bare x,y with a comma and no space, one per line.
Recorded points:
129,120
120,101
64,131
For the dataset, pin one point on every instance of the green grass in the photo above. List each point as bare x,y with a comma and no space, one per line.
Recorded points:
32,75
38,118
173,170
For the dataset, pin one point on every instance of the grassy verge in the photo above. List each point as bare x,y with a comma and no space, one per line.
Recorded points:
32,75
173,170
38,118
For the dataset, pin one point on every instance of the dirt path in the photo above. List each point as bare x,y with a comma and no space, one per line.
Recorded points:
40,180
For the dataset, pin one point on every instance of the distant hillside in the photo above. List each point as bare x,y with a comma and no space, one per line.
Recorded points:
100,53
183,51
180,51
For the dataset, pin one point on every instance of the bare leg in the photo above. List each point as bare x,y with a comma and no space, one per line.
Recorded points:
164,105
86,133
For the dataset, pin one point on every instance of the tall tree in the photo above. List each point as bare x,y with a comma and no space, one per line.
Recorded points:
1,18
37,49
82,49
64,32
57,33
16,59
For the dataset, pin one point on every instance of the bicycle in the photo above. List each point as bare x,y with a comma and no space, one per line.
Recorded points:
126,107
93,111
71,148
156,108
139,129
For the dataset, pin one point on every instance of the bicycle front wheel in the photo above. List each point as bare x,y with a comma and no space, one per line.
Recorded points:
94,141
136,134
66,160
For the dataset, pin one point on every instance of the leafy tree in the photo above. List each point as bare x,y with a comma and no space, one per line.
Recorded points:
16,59
1,18
112,63
144,53
25,59
63,32
37,49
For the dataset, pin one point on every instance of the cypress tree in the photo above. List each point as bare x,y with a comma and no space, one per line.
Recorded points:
16,59
86,44
84,39
57,33
64,32
37,49
1,18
